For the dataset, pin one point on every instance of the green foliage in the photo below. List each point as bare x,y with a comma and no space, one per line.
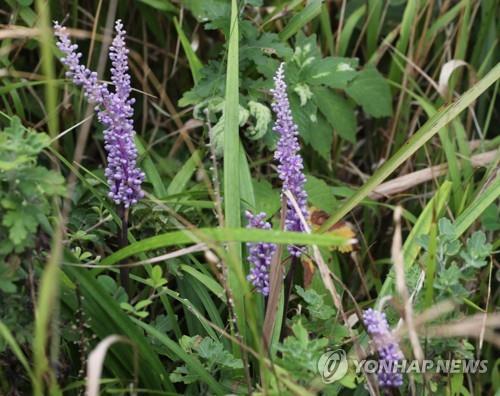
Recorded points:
300,353
214,358
318,108
27,187
26,191
315,304
457,264
348,69
267,199
156,279
320,194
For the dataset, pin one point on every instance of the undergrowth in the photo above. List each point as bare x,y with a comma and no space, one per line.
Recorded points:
395,104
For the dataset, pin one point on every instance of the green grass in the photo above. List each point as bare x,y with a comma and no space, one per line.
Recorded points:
366,91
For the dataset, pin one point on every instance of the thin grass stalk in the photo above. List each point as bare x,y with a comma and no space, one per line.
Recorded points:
49,284
429,129
288,291
123,242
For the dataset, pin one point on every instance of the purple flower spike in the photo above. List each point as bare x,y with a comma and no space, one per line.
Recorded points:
287,153
260,254
124,178
114,111
94,91
387,348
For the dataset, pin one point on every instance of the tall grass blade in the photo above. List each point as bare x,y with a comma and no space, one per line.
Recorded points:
474,210
7,335
348,29
311,11
232,184
211,235
194,62
409,18
108,318
429,129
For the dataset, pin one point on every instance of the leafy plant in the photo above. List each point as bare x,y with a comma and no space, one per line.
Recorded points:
26,192
214,358
315,81
27,187
457,264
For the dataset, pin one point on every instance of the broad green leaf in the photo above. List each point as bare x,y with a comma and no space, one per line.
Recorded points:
334,72
267,199
320,194
338,111
478,206
370,90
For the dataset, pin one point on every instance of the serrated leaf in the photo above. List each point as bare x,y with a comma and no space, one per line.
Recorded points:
267,199
338,111
477,245
261,115
370,90
315,304
261,50
182,374
446,228
306,52
320,194
208,10
42,181
334,72
300,333
448,278
20,223
214,352
313,127
304,93
211,84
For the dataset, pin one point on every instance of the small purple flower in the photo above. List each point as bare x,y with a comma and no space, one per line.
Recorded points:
114,111
124,178
287,153
94,91
387,348
260,254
